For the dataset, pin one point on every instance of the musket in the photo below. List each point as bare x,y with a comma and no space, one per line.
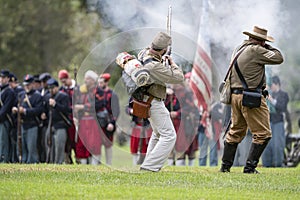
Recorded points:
227,128
76,122
19,133
169,20
227,120
49,136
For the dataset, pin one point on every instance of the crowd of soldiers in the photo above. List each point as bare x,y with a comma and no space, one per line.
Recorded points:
44,120
37,123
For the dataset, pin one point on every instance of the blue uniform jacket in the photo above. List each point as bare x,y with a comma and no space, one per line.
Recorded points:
32,116
8,99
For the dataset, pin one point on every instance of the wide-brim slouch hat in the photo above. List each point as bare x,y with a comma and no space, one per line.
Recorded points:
260,34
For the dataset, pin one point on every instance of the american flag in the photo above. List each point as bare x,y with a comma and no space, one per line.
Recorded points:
201,77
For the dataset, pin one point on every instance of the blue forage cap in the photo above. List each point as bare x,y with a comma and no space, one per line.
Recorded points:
12,77
52,83
27,79
4,73
44,76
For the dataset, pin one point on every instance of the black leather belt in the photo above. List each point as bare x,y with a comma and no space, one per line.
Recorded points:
240,91
237,91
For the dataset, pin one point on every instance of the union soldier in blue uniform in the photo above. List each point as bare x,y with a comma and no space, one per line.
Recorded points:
58,102
42,149
31,106
6,103
17,88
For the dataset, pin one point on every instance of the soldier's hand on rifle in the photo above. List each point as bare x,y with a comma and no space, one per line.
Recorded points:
14,110
169,59
52,102
22,110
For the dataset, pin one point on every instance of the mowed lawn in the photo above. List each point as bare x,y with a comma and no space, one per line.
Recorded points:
44,181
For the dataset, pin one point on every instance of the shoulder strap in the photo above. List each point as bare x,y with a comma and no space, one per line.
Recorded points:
234,60
148,61
245,85
28,101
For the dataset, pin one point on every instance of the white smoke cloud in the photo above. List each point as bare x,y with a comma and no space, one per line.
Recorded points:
131,14
226,21
229,18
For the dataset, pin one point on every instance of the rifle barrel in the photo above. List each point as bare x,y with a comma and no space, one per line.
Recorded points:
19,131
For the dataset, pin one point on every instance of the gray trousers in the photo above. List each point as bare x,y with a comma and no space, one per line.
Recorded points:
60,139
29,145
163,137
4,142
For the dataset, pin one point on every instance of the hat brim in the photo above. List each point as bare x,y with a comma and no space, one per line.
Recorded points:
259,36
26,83
52,86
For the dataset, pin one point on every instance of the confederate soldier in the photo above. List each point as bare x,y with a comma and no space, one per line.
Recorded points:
251,62
31,107
17,88
68,87
113,109
58,102
7,98
164,135
89,101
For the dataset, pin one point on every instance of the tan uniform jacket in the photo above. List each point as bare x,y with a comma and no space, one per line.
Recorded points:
160,74
252,63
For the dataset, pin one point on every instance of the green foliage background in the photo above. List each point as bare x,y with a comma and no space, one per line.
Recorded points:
45,35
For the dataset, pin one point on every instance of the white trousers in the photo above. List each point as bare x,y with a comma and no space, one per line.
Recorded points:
163,137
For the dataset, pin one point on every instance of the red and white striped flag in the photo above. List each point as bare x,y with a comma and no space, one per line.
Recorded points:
201,77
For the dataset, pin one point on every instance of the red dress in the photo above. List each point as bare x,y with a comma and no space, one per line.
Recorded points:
89,133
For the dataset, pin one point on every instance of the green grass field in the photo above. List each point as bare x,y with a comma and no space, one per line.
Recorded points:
100,182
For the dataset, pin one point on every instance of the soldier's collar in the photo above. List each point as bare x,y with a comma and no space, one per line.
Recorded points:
155,54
